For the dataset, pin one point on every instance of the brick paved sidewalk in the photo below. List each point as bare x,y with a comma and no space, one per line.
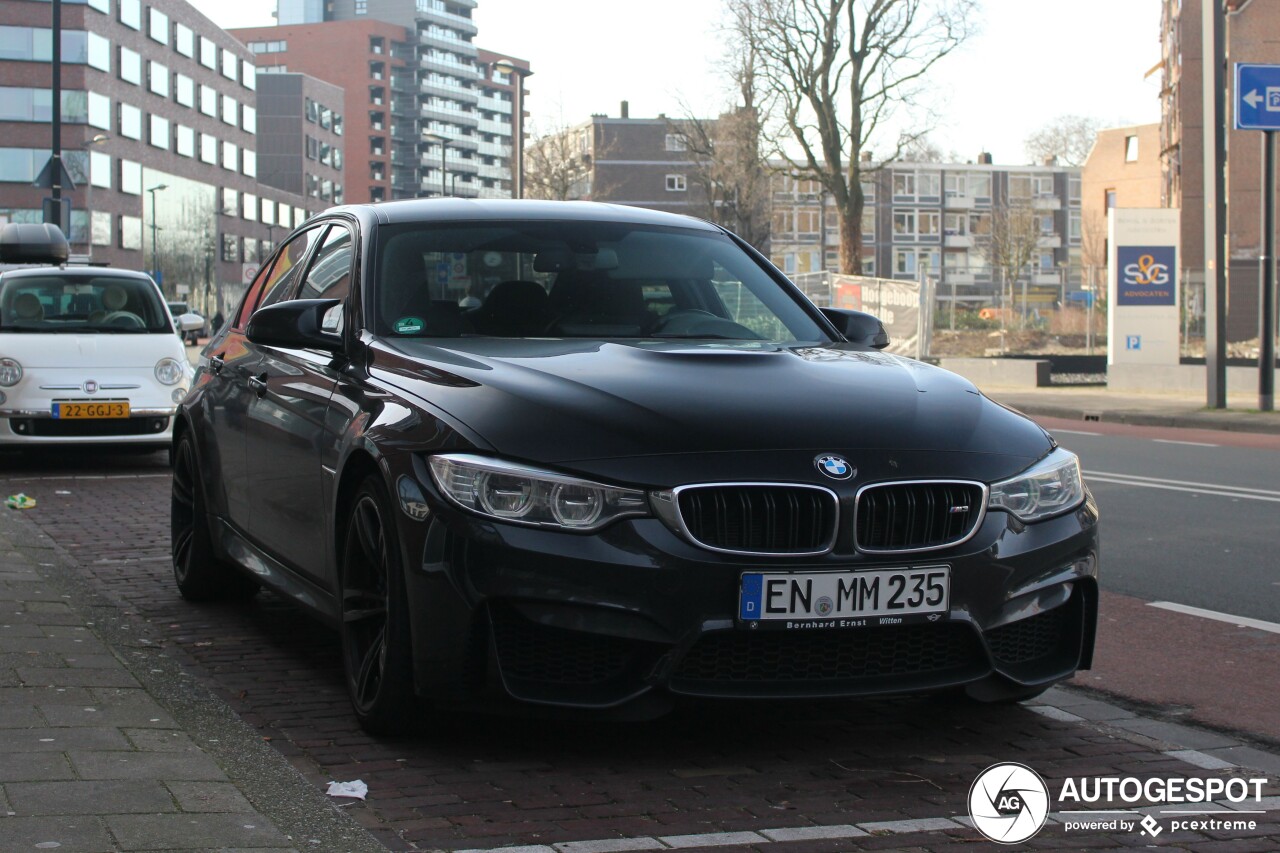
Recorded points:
106,745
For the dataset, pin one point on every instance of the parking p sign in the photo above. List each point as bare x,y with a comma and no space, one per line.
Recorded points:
1257,91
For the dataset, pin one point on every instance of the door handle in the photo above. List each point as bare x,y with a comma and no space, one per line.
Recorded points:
258,384
216,363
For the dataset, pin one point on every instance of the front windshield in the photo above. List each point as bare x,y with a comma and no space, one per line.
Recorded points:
58,302
577,280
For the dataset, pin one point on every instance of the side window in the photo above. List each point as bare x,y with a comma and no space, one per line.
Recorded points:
329,276
287,268
251,297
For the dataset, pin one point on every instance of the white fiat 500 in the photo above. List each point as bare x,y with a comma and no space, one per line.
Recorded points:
88,355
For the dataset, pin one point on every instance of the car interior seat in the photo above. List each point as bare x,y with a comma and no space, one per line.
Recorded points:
27,308
513,309
589,303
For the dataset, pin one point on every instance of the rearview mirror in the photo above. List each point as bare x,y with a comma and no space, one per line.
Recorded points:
858,327
295,324
190,322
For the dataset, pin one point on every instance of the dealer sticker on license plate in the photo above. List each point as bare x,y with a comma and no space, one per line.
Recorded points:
112,409
845,599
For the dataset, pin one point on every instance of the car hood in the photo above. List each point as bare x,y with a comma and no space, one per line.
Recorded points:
100,351
565,401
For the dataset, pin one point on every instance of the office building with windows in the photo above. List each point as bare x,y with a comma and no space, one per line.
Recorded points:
159,124
439,112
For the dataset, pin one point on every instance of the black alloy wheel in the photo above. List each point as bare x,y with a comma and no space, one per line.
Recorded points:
376,651
199,574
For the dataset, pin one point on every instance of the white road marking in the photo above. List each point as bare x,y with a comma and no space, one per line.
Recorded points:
1240,621
1237,492
1192,443
1074,432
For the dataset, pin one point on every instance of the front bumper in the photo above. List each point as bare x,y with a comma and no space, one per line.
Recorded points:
26,428
600,621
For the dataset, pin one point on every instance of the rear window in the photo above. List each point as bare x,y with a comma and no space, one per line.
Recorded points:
56,303
577,280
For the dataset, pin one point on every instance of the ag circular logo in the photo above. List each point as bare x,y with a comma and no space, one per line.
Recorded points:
835,467
1008,802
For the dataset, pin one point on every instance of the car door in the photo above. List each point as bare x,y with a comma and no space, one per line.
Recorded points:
226,397
288,422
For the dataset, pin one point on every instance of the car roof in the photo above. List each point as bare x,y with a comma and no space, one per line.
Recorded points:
82,272
463,210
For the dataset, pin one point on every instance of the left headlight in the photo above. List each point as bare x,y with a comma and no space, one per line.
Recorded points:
524,495
1050,487
168,371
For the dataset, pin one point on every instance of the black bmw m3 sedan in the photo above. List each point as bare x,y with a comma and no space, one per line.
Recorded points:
598,457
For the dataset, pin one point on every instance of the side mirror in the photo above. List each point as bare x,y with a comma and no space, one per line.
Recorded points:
295,324
858,327
190,322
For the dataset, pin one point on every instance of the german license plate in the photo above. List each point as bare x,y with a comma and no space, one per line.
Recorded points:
845,599
80,411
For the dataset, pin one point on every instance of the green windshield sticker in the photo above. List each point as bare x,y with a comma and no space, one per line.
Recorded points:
409,325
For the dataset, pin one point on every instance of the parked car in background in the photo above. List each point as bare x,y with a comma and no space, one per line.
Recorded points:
645,466
88,355
190,331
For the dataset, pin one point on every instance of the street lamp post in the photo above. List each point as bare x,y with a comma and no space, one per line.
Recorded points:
443,142
518,76
153,190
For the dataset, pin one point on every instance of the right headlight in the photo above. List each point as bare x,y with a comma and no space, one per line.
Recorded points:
1050,487
525,495
10,372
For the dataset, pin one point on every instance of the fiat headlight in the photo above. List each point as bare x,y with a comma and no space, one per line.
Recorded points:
1048,488
527,495
10,372
168,371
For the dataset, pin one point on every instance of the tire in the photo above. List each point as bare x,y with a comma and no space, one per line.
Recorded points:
199,574
377,656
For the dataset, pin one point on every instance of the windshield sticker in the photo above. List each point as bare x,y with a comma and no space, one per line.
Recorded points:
409,325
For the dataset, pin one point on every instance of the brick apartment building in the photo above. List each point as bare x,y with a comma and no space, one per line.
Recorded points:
372,62
1253,35
408,69
159,121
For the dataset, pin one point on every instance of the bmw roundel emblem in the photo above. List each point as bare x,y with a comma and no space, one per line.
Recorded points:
835,467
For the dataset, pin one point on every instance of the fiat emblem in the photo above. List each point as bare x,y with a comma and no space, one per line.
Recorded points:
835,467
90,387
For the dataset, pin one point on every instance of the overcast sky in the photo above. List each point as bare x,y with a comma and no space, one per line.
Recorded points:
1034,59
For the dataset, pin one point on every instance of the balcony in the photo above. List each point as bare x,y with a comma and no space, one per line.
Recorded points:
1049,241
959,202
465,70
957,276
958,241
1046,202
448,115
1046,277
444,42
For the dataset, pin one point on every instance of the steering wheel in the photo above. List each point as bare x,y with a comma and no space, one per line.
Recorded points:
124,320
693,322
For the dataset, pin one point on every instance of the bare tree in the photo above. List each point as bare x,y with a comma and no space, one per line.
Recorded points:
728,163
838,70
558,164
1067,138
1008,241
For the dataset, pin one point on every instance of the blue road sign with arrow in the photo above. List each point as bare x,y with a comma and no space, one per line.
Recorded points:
1257,96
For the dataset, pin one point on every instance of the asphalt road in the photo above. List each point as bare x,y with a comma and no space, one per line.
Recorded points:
1186,519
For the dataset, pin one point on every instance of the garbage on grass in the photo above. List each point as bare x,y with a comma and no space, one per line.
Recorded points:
355,789
20,501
